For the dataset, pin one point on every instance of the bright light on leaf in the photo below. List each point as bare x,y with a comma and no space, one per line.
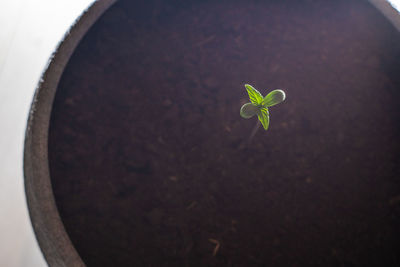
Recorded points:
259,105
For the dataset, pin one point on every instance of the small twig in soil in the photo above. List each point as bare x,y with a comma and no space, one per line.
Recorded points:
217,245
192,205
206,40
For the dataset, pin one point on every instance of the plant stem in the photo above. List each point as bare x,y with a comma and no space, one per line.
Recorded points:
253,132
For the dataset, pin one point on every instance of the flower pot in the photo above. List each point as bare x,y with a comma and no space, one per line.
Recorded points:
136,156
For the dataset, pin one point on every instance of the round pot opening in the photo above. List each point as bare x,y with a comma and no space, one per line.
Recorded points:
145,149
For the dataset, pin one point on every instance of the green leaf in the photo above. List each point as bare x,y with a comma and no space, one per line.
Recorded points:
254,95
273,98
263,116
248,110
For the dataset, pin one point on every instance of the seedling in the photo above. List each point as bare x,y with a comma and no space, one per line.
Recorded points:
259,105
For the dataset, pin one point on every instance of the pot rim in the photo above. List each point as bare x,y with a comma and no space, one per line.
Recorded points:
50,233
387,10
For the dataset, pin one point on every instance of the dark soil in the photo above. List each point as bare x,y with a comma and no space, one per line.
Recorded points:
145,137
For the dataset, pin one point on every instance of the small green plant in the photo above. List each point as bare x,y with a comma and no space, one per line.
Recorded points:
259,105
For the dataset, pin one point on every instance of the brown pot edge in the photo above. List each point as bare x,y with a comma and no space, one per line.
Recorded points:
51,235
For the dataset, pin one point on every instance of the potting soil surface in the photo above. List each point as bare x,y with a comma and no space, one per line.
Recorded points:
151,163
